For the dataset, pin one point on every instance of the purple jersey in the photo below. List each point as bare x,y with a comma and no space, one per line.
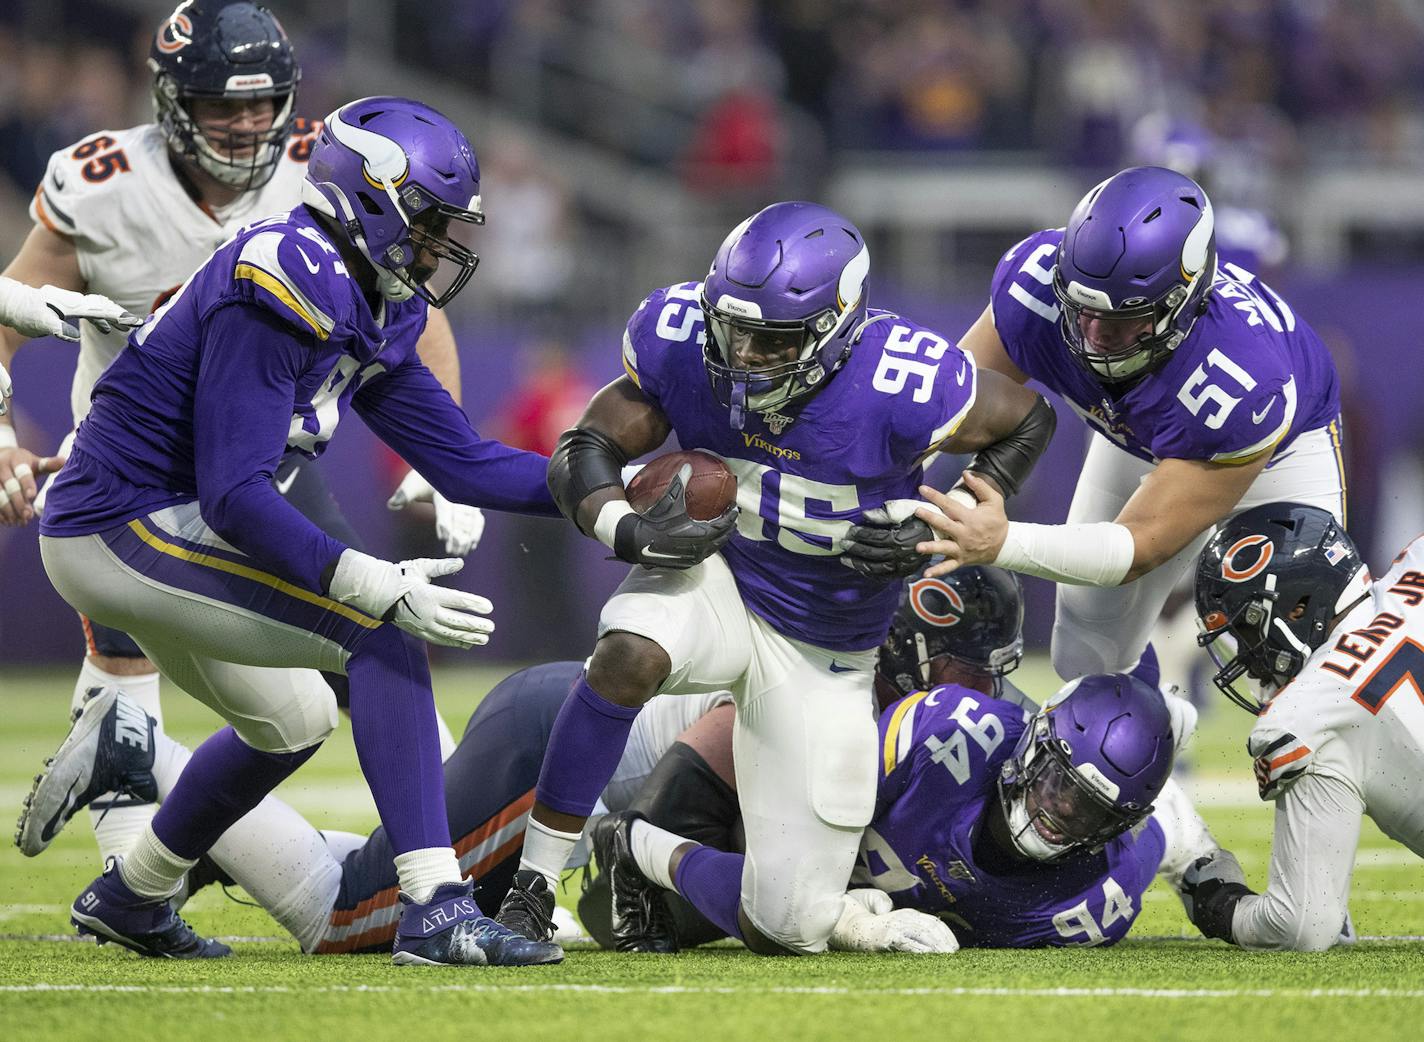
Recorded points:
1249,377
259,353
941,751
805,477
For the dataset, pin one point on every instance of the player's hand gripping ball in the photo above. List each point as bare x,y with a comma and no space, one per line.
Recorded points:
685,509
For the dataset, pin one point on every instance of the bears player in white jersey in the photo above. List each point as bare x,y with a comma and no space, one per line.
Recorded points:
131,214
1340,733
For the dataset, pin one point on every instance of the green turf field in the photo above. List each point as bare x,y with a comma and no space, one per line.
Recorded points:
1160,985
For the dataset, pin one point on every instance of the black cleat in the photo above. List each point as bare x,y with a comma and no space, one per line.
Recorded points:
641,921
109,748
528,908
109,911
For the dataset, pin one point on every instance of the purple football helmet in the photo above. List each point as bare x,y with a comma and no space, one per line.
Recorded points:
1140,248
403,183
787,288
1087,767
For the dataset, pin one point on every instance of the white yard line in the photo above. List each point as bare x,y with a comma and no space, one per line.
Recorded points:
692,989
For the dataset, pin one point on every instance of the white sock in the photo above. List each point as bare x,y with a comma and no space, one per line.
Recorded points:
447,740
421,871
273,853
652,849
117,827
547,850
151,869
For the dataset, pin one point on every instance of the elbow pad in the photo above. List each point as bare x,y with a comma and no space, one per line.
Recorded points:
583,462
1010,459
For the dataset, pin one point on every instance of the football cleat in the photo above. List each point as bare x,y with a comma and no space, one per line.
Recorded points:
641,921
450,930
528,908
109,748
109,911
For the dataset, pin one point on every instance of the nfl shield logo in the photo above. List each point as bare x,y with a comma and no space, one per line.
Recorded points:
776,422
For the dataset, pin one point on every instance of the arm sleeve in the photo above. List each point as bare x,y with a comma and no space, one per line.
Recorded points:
407,408
1312,855
242,409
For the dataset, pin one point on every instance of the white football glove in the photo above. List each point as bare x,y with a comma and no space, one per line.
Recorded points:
6,389
403,594
41,312
868,924
458,526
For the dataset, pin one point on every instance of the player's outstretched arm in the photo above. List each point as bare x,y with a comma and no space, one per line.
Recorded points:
1177,501
585,476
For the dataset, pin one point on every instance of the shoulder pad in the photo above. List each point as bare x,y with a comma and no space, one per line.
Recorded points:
79,178
297,275
1278,759
666,316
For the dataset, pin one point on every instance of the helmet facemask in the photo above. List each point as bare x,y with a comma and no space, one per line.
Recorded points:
243,160
767,388
1054,809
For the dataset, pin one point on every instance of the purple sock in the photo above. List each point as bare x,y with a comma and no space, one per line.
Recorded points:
712,880
584,748
397,742
224,780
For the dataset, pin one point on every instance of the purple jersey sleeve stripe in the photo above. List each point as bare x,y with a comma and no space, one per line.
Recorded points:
899,730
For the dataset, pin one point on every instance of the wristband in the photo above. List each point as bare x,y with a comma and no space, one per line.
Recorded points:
605,528
1097,554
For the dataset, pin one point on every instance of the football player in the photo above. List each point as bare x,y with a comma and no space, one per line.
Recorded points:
825,410
336,892
1332,665
163,521
131,214
1016,827
1208,394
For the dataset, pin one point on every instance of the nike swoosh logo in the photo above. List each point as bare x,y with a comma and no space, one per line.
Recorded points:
836,667
1257,417
648,551
282,484
60,816
963,370
313,268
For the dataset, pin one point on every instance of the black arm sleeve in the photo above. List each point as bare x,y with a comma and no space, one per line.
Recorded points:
584,461
1010,459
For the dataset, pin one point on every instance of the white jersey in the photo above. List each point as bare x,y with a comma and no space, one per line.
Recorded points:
137,232
1344,739
654,730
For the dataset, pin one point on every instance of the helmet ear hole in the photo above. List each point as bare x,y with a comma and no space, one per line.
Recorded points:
369,205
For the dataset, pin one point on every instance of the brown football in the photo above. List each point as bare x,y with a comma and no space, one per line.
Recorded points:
711,489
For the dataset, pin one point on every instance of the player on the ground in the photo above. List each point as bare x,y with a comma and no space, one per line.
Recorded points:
984,816
131,214
824,410
1208,393
1340,662
164,523
336,892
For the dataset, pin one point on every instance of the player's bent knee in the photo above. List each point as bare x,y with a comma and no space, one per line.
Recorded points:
802,930
628,669
759,942
305,719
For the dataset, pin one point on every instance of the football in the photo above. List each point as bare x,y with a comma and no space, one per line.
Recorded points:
711,488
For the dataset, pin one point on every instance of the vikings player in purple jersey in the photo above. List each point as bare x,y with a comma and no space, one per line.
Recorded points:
1207,392
1014,826
164,522
825,411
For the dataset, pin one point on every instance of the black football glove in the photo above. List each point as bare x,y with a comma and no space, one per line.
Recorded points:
884,549
1210,889
666,537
